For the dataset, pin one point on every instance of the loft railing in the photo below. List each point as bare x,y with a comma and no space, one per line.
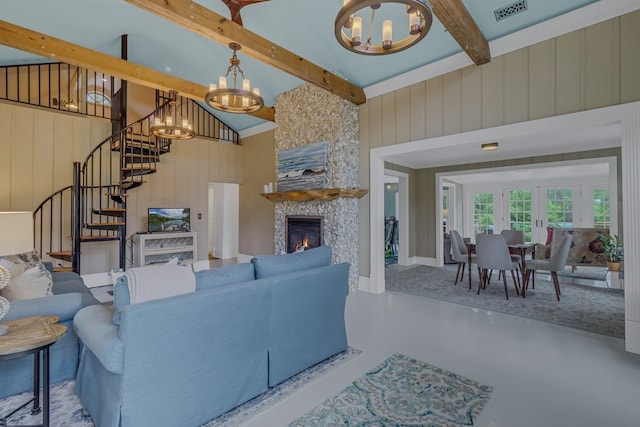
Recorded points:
59,86
204,123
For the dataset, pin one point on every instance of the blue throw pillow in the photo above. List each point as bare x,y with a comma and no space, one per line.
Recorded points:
273,265
215,277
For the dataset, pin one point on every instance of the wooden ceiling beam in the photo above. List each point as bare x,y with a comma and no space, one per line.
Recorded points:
213,26
455,17
62,51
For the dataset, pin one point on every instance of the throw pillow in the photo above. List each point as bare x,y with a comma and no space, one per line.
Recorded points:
549,235
273,265
29,276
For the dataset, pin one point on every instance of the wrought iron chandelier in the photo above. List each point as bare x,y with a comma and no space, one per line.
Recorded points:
349,18
168,123
234,99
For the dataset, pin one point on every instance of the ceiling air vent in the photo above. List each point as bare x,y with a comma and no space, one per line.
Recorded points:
510,10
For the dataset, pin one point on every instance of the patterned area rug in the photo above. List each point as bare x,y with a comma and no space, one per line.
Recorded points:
67,411
402,391
582,307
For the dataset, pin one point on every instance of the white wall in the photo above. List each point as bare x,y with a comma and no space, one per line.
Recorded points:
225,219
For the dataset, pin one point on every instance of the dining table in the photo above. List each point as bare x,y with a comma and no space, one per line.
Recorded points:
521,249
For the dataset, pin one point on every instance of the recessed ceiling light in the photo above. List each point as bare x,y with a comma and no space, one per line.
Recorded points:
490,146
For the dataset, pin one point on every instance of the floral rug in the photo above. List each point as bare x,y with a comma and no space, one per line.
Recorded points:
67,411
401,392
583,307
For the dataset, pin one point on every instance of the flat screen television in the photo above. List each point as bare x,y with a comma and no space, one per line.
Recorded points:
166,220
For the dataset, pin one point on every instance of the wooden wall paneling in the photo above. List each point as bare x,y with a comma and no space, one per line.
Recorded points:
375,122
542,79
364,140
22,179
389,118
417,112
7,115
451,103
45,150
471,100
202,198
492,95
630,57
602,64
434,106
33,94
12,76
569,73
402,115
63,152
515,87
3,87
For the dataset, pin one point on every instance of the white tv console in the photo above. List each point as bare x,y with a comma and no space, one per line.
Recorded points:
158,248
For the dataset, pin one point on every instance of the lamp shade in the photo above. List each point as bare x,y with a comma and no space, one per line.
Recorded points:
16,232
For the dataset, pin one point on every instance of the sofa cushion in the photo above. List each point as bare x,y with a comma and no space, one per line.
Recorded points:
147,289
29,276
273,265
226,275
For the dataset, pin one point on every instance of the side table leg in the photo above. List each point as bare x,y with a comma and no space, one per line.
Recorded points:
36,383
45,388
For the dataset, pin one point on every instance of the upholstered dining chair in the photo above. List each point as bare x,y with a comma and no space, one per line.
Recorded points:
460,255
514,237
555,263
492,253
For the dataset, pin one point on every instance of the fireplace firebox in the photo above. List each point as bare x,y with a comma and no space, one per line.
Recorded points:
303,232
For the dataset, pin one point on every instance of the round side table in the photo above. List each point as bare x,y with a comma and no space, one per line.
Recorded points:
32,335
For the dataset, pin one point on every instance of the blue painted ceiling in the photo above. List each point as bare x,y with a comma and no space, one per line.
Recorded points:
304,27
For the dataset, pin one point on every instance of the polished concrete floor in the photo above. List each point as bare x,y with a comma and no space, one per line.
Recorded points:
542,374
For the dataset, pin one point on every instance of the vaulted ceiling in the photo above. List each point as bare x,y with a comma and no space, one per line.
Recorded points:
183,45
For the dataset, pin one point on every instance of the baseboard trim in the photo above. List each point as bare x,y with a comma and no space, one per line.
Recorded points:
363,283
244,258
632,336
431,262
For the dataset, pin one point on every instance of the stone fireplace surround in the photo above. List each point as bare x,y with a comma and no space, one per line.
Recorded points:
309,114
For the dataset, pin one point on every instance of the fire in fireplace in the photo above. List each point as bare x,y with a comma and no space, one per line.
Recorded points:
303,232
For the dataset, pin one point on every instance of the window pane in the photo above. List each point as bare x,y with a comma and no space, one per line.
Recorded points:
520,212
601,209
560,208
482,213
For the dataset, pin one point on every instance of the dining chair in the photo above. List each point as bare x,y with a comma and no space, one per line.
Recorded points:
513,237
460,255
555,263
492,253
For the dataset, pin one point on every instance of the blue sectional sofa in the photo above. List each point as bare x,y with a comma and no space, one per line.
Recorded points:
69,295
183,360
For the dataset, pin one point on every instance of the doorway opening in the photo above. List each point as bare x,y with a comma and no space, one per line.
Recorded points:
223,221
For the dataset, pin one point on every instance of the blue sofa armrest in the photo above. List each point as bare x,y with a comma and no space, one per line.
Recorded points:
64,306
94,327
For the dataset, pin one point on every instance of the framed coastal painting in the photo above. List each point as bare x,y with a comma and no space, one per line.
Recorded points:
303,168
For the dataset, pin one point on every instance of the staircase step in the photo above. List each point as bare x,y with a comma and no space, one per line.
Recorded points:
117,212
129,184
141,158
117,197
58,269
104,225
63,255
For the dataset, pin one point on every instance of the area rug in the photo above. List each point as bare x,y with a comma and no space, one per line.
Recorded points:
402,391
67,411
583,307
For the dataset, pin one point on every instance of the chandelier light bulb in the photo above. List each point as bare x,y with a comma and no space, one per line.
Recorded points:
222,82
387,33
414,23
356,31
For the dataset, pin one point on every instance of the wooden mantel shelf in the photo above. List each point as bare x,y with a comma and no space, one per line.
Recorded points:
318,194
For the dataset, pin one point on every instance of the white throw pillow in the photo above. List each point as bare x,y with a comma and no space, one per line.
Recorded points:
29,277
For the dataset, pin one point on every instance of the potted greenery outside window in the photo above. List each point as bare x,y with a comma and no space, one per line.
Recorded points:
613,251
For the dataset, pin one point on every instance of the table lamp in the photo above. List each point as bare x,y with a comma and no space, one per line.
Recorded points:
16,237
